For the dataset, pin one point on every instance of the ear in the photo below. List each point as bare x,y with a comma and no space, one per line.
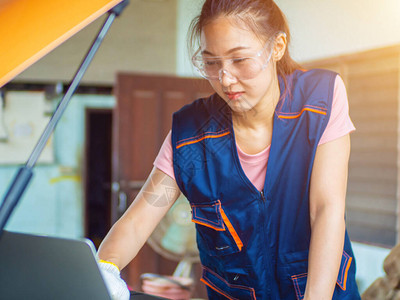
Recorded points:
279,46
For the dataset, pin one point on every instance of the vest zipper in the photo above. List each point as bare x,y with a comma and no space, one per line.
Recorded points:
266,247
262,196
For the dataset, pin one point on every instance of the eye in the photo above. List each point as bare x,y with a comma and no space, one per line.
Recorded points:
239,60
211,62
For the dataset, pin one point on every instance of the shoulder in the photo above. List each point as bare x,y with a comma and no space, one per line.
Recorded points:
209,115
311,87
314,80
200,111
200,105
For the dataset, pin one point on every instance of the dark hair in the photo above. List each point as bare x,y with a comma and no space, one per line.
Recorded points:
263,17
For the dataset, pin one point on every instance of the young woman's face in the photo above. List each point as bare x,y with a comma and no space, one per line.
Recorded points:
225,38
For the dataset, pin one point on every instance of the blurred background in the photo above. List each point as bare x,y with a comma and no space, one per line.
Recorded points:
104,146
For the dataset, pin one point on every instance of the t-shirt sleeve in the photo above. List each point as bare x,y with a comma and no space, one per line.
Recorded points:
164,160
339,123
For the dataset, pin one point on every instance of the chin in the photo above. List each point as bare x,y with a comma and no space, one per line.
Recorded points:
239,107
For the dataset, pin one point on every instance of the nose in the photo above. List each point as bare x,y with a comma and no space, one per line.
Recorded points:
226,78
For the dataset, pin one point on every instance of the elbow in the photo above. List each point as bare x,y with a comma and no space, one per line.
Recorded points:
328,212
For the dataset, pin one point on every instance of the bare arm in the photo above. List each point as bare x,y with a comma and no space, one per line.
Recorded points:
327,209
132,230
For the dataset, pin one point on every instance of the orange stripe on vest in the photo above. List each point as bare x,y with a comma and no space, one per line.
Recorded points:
303,110
203,138
232,230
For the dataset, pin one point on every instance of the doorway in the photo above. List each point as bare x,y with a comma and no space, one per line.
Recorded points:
97,166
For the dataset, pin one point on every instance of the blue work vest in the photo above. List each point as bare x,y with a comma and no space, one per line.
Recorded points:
254,244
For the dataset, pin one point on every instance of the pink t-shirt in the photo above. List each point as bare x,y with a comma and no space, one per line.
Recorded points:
255,166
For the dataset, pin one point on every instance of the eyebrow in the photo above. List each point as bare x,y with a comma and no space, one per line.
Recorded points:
228,52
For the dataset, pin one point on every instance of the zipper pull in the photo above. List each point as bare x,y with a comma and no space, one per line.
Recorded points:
262,196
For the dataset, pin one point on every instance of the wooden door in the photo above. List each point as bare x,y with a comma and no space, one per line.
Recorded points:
142,119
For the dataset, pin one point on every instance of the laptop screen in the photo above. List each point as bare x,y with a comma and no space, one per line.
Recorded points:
41,267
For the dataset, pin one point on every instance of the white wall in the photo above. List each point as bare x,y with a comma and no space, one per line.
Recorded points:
369,263
330,28
187,10
53,203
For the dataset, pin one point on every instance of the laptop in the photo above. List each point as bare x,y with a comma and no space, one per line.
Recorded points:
41,267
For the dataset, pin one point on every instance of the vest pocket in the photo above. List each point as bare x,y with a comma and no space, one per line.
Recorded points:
215,232
299,283
343,271
300,280
222,287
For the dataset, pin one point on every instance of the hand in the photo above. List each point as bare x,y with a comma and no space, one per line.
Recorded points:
115,284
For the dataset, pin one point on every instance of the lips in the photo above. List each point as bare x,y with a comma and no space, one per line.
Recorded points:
234,96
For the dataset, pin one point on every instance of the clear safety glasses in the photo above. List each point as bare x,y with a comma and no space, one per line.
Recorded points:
242,68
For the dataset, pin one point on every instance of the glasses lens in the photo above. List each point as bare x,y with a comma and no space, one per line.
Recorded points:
208,68
212,66
245,68
241,68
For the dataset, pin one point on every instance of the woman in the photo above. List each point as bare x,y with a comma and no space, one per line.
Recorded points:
263,163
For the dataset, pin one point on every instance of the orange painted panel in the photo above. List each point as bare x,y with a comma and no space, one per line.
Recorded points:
29,29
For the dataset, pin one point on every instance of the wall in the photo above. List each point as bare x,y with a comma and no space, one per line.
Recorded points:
369,262
186,11
53,202
330,28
